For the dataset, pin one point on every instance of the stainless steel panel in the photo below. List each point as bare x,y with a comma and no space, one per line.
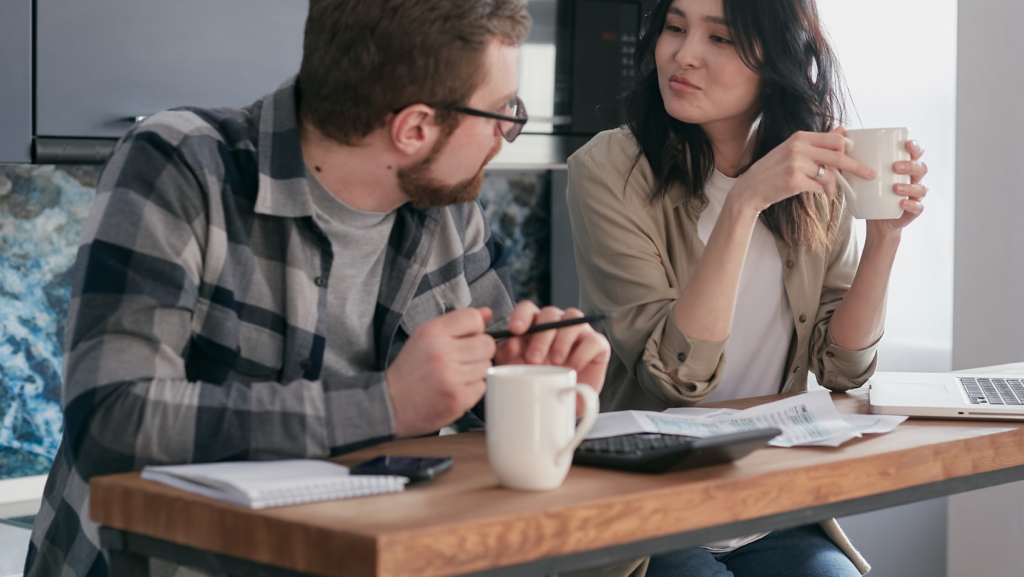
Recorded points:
565,284
102,63
15,80
537,86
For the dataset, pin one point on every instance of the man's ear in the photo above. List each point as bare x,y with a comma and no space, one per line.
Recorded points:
413,129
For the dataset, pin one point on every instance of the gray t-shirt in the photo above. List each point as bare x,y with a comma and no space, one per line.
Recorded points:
359,239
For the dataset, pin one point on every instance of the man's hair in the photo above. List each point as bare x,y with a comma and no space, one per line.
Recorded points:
365,59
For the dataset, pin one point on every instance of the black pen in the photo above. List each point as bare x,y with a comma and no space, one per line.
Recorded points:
548,326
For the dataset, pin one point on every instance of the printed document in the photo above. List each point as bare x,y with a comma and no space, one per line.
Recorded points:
809,419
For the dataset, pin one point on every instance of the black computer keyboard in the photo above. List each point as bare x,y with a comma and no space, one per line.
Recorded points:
655,453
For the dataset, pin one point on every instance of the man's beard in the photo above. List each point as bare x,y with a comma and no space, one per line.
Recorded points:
424,191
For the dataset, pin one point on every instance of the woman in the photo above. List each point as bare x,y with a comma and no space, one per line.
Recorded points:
712,227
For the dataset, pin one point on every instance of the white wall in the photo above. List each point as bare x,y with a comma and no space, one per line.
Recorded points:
21,496
899,59
986,528
989,281
876,41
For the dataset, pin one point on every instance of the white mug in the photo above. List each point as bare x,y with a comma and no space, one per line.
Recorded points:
878,148
531,423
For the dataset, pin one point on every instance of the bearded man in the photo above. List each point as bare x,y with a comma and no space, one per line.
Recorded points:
305,276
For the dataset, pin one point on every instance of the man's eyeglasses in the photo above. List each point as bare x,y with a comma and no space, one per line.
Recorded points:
510,125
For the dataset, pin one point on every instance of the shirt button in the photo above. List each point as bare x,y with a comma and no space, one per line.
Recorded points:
789,264
681,357
321,281
305,364
803,318
448,309
830,354
796,370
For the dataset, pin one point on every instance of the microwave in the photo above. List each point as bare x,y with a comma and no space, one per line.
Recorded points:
577,64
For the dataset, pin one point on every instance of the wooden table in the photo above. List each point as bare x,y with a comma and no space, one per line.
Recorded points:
464,523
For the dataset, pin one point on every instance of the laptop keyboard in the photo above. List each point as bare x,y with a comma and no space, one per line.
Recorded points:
994,391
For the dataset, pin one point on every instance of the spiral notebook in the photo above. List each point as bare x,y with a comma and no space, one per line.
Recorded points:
260,484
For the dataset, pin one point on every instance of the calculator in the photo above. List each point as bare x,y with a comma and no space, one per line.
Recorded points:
657,453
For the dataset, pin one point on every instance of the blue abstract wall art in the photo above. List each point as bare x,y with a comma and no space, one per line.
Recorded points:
42,212
517,204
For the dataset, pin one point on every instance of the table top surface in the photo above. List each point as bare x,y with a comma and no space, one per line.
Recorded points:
464,521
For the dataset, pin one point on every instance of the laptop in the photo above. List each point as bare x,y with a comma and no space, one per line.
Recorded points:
945,395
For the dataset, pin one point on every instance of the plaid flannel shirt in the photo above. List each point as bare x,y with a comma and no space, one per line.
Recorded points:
196,324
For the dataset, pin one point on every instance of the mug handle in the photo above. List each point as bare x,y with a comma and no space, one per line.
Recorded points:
843,184
847,189
590,406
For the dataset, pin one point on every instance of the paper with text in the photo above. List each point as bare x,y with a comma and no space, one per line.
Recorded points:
809,419
866,424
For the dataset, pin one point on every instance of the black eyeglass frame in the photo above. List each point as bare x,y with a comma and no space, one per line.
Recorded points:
518,121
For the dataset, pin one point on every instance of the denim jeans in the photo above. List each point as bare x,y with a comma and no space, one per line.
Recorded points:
801,552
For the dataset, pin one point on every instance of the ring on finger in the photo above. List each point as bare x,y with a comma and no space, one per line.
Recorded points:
821,172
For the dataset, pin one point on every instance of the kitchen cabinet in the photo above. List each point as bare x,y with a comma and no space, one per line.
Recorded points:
15,80
100,65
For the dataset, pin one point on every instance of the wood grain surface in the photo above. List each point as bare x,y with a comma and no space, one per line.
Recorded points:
465,522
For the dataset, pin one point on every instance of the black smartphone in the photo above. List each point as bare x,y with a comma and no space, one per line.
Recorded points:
415,468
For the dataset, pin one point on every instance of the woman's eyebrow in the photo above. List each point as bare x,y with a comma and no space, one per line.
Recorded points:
711,19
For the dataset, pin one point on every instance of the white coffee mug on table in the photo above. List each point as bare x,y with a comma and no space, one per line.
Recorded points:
531,423
878,148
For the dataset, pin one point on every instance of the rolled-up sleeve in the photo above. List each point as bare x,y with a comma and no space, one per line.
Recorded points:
622,272
837,368
683,370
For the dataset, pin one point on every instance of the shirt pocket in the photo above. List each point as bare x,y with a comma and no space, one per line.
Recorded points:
436,302
242,348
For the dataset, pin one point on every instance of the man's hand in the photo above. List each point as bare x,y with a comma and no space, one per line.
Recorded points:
440,372
578,347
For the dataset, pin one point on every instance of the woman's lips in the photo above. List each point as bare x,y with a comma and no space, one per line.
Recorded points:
681,84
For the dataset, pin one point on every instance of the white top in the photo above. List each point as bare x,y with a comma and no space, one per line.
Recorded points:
762,325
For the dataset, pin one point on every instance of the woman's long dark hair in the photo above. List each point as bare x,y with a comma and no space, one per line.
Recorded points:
782,41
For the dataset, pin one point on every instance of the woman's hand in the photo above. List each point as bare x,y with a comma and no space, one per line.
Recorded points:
792,168
915,192
858,320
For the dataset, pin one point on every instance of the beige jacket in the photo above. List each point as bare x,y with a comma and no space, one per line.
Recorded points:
633,256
